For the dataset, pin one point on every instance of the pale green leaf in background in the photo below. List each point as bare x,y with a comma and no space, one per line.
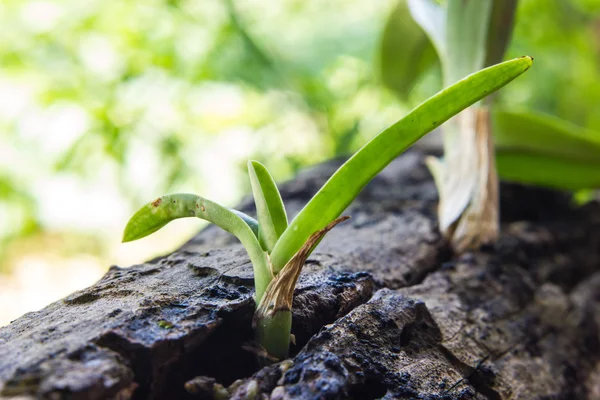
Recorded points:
535,133
432,18
466,33
406,52
547,171
547,151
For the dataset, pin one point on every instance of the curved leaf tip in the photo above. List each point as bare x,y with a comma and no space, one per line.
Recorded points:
144,222
272,218
530,60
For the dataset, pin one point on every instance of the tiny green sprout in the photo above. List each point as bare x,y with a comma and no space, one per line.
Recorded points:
278,250
165,324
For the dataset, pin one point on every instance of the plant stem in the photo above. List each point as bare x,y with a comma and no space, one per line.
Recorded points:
468,184
273,333
273,316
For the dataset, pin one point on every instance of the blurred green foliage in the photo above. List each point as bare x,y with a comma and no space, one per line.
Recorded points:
532,147
564,36
157,96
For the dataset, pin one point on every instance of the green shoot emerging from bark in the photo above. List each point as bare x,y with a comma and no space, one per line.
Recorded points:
278,251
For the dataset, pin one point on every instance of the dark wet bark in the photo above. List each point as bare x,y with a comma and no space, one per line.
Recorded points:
382,310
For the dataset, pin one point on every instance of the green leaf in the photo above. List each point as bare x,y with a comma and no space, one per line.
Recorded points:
544,150
432,18
549,171
544,135
251,222
269,206
345,184
165,209
466,33
500,29
405,51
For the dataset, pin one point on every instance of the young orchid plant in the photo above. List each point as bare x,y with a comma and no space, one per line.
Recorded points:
465,38
278,249
483,142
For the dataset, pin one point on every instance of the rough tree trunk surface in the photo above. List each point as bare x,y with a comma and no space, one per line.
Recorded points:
382,310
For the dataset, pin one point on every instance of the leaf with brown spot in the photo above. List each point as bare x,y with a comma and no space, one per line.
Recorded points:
156,202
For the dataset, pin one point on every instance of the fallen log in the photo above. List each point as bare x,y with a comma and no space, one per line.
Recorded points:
382,309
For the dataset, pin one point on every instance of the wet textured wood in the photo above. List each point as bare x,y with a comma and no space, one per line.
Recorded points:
382,310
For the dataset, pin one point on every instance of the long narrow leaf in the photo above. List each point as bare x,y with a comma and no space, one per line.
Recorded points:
544,135
251,222
163,210
345,184
432,18
466,33
500,28
534,169
272,218
547,151
405,51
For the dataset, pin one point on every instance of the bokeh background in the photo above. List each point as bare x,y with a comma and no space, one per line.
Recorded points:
107,104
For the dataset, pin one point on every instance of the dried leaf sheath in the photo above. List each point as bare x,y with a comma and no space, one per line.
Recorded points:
467,183
479,223
279,293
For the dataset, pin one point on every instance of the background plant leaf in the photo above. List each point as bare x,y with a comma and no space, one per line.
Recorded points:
541,134
406,52
499,30
544,150
431,17
547,171
466,33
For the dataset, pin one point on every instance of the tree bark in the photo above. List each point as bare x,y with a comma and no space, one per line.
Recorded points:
382,310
